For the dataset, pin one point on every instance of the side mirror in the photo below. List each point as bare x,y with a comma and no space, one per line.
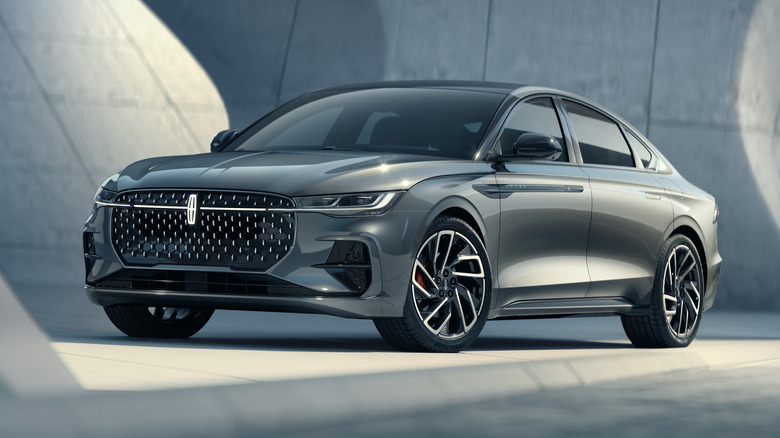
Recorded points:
533,146
222,139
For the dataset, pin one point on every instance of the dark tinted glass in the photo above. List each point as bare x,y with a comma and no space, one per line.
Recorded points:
538,116
600,139
644,154
436,122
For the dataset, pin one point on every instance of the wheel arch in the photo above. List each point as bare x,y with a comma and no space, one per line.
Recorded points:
459,207
465,216
689,232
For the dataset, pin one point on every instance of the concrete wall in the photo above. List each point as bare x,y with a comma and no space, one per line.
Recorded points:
698,76
80,100
86,86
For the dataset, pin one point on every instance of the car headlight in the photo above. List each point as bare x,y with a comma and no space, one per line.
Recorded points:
105,195
352,204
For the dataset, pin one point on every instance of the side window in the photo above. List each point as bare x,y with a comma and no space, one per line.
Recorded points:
600,139
645,156
537,115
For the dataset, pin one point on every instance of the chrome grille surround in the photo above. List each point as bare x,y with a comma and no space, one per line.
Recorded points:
239,230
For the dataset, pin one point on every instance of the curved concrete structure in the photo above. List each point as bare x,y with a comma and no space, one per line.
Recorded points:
85,88
88,86
758,102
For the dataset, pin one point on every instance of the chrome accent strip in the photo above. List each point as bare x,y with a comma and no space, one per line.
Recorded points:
379,204
248,209
540,188
158,207
487,189
112,204
506,189
254,209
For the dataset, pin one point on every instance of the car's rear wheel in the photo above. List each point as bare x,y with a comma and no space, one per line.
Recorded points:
449,292
675,303
158,322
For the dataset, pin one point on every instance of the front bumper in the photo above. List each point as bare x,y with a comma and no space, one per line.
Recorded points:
360,307
302,281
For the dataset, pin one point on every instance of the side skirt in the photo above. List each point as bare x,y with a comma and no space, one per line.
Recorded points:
567,307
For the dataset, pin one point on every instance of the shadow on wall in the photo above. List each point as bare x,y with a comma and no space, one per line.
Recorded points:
263,53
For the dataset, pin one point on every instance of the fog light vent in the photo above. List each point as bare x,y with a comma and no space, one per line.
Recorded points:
89,251
89,244
349,262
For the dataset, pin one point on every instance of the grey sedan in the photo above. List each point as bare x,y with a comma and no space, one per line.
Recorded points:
428,207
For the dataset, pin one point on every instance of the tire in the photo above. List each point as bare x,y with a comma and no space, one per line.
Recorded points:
448,298
158,322
675,302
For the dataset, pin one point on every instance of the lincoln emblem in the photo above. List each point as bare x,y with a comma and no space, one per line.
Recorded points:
192,209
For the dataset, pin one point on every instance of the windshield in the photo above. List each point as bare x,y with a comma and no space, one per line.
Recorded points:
435,122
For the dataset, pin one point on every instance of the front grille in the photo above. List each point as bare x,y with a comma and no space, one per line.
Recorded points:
230,229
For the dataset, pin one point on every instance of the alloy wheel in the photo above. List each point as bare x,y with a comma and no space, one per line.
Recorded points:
681,291
448,284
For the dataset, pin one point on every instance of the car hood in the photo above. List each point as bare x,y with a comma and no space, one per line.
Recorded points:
294,173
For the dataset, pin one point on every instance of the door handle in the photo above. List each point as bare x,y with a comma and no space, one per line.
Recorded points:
649,195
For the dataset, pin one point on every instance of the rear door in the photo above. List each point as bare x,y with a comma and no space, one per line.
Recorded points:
631,210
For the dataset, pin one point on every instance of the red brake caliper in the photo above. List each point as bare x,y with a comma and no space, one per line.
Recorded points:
420,279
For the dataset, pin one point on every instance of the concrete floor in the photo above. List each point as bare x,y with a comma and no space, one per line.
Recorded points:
253,374
246,347
250,374
714,403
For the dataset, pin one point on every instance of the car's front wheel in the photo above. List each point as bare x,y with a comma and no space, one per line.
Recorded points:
449,292
158,322
675,302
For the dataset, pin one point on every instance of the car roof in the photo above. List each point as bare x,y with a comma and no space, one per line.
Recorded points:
504,88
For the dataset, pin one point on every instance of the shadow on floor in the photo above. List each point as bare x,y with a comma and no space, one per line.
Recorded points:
350,343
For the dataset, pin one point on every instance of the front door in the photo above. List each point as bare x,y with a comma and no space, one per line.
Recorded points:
545,214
